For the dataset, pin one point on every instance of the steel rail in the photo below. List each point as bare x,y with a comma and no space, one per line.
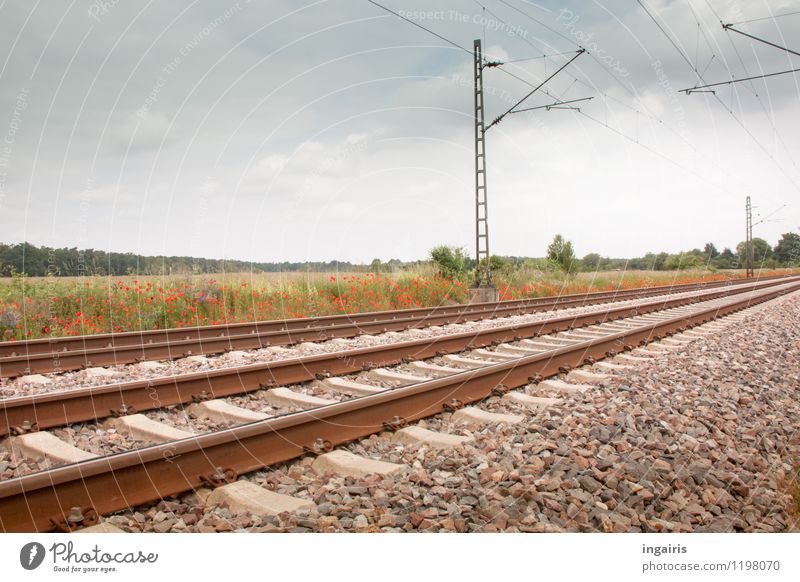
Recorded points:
334,327
58,344
42,501
61,354
51,409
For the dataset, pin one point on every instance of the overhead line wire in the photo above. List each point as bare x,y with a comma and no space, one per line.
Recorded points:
428,30
609,127
729,109
751,87
618,132
773,17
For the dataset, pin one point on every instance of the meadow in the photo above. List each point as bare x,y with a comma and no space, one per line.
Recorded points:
52,307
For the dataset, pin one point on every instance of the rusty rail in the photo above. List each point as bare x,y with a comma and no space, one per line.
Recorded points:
41,501
86,404
74,353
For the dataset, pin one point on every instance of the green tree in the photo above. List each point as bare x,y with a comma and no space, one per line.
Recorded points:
591,262
684,261
499,264
450,260
726,259
560,252
710,251
787,251
761,251
660,262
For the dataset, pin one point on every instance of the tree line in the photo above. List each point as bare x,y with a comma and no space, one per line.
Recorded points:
72,262
560,256
785,253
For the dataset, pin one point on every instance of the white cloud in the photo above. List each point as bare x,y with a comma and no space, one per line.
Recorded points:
142,130
338,132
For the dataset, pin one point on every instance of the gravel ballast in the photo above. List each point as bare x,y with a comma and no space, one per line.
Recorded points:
701,439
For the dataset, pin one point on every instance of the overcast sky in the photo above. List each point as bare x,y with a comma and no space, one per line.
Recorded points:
283,130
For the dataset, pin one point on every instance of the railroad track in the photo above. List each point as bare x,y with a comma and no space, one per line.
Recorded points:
73,495
53,355
42,411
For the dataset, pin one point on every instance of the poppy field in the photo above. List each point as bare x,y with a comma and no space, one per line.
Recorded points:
33,308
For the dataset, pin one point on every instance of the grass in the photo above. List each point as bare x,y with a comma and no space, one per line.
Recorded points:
51,307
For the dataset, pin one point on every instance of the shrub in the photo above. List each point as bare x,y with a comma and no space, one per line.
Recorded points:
451,261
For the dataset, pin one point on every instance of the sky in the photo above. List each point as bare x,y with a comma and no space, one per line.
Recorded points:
305,131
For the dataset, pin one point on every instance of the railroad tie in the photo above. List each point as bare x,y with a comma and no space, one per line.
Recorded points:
612,367
35,380
648,351
286,397
566,338
395,378
586,377
99,373
416,435
662,347
246,497
474,415
590,332
673,342
535,402
432,369
542,345
349,387
103,527
492,356
46,446
616,327
462,362
631,359
141,428
346,464
695,334
222,412
561,386
652,318
517,350
150,365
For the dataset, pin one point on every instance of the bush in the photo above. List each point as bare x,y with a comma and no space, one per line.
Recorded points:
560,253
451,261
683,261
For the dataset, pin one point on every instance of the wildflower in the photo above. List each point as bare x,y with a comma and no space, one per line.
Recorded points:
9,318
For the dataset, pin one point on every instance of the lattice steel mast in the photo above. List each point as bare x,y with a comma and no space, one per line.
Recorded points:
483,274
